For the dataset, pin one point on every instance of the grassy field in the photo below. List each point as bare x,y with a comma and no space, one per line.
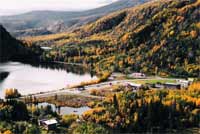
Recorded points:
63,100
154,81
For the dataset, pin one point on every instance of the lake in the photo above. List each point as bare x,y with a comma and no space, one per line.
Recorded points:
40,77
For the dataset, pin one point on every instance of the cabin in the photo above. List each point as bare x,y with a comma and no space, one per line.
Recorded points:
50,124
138,75
184,83
172,86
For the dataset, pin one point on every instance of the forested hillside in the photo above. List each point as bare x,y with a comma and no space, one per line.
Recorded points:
154,111
159,37
12,49
9,47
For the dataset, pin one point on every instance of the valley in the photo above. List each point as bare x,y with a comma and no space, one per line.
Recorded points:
132,66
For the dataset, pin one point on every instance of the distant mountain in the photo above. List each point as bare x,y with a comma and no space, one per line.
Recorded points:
159,37
46,22
13,49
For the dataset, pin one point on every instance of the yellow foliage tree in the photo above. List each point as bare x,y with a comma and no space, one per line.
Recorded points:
7,132
194,34
194,87
12,93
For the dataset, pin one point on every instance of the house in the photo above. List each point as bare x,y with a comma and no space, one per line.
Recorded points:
138,75
111,78
50,124
184,83
172,86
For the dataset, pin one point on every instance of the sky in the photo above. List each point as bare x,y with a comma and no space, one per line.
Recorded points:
10,7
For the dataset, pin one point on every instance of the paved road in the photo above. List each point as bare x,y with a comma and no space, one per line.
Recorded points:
64,91
75,91
124,81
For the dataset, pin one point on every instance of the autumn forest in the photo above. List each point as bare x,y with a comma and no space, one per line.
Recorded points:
134,68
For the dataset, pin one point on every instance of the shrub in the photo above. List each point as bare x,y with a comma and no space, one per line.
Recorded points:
12,93
194,87
90,128
67,120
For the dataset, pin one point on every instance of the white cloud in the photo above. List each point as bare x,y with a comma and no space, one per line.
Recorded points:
11,7
52,4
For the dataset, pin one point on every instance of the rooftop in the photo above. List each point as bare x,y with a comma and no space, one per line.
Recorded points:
174,84
50,122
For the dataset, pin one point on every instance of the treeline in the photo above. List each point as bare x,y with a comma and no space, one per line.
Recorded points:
13,111
18,118
160,111
148,111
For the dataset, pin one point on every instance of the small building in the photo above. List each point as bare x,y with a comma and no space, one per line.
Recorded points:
111,78
184,83
172,86
138,75
50,124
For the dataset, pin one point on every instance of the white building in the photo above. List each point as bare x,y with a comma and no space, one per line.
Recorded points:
184,83
138,75
50,124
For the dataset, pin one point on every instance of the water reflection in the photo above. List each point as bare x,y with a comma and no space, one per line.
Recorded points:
63,110
73,68
44,77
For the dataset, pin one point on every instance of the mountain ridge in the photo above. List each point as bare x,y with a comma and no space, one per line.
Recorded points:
42,20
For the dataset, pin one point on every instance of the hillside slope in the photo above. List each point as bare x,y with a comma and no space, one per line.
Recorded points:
12,49
9,47
46,22
159,37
